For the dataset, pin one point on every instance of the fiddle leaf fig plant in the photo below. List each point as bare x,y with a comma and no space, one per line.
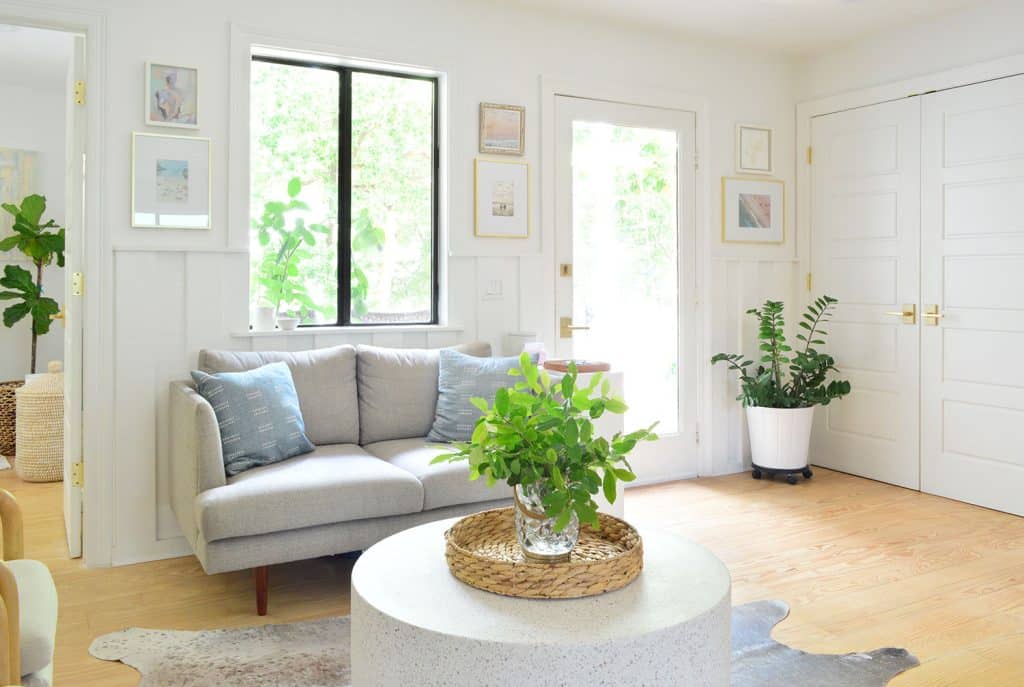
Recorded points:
290,240
807,383
34,239
542,431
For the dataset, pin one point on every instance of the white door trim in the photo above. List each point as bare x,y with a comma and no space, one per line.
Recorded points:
97,301
808,110
601,89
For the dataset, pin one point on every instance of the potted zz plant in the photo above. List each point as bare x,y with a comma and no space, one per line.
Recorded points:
780,407
538,437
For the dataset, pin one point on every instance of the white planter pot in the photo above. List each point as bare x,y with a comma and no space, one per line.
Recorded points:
264,318
780,437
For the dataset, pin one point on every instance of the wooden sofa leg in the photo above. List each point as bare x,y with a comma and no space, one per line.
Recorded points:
261,575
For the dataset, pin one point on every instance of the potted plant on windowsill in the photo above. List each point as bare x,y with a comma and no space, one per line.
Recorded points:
538,437
780,407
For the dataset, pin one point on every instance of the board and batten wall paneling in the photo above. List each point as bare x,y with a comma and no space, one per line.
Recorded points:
736,285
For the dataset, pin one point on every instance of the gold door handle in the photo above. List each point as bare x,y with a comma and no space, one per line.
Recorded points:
58,315
566,327
909,313
932,314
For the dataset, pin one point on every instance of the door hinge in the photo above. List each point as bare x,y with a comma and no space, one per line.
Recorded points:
697,432
77,284
79,93
810,281
810,155
696,161
77,474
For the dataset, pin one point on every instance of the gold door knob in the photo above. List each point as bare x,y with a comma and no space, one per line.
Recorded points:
909,313
566,327
932,315
58,315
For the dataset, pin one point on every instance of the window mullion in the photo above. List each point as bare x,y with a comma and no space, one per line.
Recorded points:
345,198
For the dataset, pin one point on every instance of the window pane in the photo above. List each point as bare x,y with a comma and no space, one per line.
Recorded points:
392,198
625,262
294,190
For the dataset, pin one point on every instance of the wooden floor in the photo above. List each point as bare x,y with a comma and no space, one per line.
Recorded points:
862,565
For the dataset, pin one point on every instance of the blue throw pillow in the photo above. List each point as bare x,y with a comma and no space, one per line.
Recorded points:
258,413
460,378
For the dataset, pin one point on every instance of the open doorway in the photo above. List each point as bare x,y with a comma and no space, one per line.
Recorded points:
41,177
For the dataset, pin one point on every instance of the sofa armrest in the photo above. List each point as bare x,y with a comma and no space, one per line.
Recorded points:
196,460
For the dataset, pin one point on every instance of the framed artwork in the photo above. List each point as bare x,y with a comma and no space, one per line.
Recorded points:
172,96
753,210
18,171
170,182
501,193
502,129
754,149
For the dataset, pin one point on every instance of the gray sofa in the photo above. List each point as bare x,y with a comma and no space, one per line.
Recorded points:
367,410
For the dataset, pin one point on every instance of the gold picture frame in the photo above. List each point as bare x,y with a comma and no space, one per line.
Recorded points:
502,129
501,199
751,215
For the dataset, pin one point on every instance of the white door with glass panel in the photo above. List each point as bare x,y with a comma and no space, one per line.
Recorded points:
864,251
625,243
972,280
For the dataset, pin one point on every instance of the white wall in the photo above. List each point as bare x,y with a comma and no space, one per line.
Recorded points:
34,119
179,291
976,34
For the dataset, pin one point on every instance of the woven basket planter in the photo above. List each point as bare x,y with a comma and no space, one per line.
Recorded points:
7,416
482,551
40,427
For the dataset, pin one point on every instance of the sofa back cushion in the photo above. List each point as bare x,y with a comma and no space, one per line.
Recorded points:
325,380
258,415
398,390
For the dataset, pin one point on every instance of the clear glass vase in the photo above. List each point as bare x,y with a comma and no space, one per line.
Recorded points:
536,532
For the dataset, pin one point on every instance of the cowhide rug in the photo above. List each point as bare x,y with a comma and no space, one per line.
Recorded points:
316,654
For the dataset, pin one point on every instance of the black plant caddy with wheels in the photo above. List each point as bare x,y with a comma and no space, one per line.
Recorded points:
757,472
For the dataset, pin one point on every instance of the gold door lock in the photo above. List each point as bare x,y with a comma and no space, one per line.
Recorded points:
932,315
566,327
909,313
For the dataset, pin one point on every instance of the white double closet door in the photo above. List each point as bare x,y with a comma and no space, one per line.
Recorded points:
918,208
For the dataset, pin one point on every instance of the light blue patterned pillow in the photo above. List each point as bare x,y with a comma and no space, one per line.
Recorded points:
258,413
460,378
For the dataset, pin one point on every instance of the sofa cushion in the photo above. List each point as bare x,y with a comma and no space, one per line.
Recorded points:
257,414
37,601
460,378
398,390
325,380
334,483
444,484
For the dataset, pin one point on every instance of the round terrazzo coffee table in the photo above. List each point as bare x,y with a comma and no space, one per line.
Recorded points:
413,623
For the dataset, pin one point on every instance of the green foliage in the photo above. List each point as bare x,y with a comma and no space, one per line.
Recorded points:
541,431
30,236
808,383
33,238
287,247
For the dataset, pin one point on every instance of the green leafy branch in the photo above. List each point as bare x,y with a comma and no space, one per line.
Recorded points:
541,431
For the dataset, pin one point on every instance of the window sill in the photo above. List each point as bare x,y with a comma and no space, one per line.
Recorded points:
367,329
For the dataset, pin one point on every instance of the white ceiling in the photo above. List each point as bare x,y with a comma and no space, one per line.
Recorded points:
34,58
789,27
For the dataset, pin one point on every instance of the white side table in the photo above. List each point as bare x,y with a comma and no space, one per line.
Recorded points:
413,623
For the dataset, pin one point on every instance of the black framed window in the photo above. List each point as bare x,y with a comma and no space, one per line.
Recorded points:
343,193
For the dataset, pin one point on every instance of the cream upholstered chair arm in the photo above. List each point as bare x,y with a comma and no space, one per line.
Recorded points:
197,463
10,628
13,527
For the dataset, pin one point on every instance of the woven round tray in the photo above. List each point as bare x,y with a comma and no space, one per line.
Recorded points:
482,551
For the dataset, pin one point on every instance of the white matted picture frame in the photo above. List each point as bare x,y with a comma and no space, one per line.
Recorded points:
755,149
753,210
172,95
501,196
502,129
171,186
